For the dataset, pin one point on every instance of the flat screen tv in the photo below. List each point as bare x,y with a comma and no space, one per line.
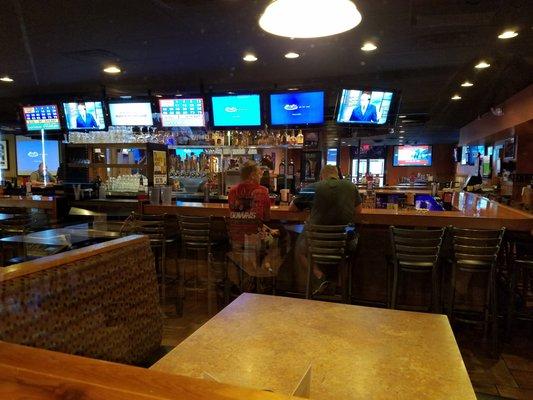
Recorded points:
243,110
30,155
332,156
297,108
182,112
412,156
364,107
84,115
44,117
131,114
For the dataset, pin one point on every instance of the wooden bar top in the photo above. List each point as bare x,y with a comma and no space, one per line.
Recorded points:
473,211
43,202
355,352
30,373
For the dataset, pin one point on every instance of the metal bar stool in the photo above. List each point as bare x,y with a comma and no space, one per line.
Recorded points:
327,248
521,279
154,226
475,252
195,235
418,252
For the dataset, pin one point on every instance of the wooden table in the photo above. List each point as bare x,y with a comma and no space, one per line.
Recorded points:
47,203
267,342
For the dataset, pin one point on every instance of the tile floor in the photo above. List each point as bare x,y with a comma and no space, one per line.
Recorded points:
508,377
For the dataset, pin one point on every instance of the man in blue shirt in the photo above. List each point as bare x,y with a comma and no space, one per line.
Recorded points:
85,119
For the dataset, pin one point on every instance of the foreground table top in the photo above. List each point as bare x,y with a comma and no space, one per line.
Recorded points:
267,342
60,236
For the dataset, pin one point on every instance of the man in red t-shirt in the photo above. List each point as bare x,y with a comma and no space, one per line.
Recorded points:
249,204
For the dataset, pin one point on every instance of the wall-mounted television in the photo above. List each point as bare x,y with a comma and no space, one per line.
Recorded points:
84,115
182,112
364,107
39,117
412,156
297,108
30,155
331,158
131,114
241,110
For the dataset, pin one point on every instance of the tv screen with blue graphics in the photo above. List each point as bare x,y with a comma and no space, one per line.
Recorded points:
297,108
236,110
84,115
30,155
44,117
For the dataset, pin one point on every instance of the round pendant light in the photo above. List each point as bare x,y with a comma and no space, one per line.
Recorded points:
309,18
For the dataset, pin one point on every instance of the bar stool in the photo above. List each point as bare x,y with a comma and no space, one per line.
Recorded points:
195,235
153,226
475,252
257,261
327,249
416,252
521,279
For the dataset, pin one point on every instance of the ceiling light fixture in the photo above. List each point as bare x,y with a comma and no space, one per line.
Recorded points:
467,84
369,47
482,65
112,69
309,18
291,55
292,88
6,79
456,97
508,34
249,57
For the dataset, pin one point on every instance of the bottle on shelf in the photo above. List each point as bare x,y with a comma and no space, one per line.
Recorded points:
290,168
282,167
300,138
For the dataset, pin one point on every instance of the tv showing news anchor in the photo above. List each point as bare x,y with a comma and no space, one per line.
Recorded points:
367,107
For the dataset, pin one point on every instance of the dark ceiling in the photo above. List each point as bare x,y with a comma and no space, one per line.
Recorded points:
425,49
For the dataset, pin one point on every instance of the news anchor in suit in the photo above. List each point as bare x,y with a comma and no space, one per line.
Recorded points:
85,119
364,111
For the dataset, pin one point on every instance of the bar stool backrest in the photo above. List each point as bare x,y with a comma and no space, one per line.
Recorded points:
326,243
476,250
153,226
416,250
195,231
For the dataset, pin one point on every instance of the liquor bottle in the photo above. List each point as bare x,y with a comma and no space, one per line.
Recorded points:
300,137
282,167
290,168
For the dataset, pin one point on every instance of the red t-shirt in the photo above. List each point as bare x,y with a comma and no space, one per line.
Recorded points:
250,200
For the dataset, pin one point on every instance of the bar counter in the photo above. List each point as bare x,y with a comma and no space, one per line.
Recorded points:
50,204
472,211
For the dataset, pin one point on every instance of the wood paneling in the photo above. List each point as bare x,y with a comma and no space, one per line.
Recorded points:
524,148
516,110
28,373
442,168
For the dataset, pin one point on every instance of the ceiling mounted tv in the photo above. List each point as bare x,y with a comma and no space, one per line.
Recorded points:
242,110
297,108
364,107
412,156
131,114
182,112
84,115
30,155
45,117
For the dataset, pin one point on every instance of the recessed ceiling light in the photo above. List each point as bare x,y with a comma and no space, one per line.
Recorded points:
456,97
292,54
249,57
292,88
309,18
508,34
369,47
6,79
112,69
482,64
402,116
467,84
